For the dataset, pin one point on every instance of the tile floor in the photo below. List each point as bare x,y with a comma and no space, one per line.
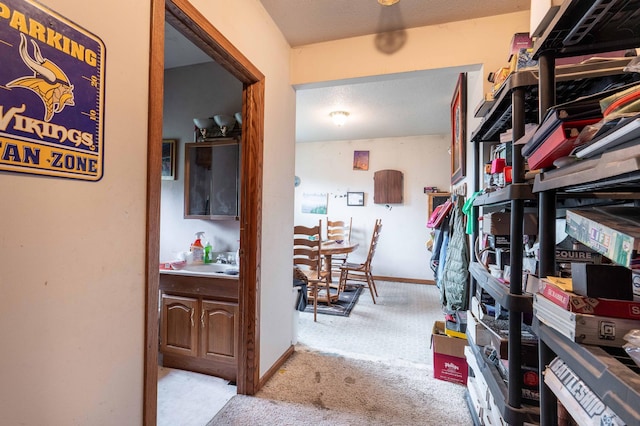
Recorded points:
190,399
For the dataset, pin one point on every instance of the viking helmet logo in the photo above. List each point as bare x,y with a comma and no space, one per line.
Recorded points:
49,82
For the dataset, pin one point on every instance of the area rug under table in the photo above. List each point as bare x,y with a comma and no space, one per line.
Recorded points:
346,301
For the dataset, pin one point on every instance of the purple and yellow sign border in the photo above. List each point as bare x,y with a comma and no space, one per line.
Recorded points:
52,79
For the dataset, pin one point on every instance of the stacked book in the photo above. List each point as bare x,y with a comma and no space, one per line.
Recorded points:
582,319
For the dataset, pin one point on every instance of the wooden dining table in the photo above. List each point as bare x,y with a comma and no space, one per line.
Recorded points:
331,247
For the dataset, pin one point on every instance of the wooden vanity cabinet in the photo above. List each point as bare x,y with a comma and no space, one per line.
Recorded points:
199,332
219,331
179,332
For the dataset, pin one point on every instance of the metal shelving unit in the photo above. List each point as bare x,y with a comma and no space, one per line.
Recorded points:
615,383
500,391
500,292
510,111
585,27
614,170
571,81
520,101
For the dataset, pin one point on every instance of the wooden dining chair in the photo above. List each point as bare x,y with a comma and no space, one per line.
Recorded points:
338,230
306,256
362,271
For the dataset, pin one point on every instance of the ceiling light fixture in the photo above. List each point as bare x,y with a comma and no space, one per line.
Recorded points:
388,2
339,117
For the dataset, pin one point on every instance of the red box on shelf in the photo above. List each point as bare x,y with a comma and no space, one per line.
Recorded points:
497,165
558,144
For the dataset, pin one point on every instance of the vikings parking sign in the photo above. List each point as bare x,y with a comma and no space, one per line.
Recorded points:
51,94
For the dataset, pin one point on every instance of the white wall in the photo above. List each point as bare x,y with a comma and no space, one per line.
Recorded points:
475,41
327,167
72,293
484,41
72,256
200,91
250,29
72,283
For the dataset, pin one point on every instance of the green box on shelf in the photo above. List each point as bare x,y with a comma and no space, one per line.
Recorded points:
612,231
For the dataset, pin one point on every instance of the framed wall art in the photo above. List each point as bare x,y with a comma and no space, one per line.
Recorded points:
314,203
360,160
458,130
355,198
168,159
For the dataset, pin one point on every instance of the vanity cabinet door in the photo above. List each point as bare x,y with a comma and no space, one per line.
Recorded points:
212,180
179,327
219,331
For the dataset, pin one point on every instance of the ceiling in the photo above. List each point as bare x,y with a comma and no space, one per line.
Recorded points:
312,21
392,105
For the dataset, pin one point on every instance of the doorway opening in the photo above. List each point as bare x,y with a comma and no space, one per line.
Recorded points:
194,26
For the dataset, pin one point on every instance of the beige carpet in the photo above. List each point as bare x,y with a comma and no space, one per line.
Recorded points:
398,327
321,389
372,368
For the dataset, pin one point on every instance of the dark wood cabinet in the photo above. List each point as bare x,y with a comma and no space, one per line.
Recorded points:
219,331
199,324
179,334
212,180
387,187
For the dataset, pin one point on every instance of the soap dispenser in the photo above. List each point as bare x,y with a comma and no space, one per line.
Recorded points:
197,249
208,253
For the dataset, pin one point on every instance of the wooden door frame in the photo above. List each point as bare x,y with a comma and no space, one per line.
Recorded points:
189,21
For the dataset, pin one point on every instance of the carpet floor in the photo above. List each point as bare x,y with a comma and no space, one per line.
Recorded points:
321,389
371,368
397,327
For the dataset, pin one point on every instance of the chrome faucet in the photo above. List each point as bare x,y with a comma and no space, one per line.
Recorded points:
221,259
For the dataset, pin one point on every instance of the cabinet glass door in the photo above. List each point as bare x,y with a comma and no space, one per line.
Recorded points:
212,179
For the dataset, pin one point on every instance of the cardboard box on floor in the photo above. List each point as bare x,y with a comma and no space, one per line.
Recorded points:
449,362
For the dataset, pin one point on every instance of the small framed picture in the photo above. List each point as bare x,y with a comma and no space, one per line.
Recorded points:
168,159
355,198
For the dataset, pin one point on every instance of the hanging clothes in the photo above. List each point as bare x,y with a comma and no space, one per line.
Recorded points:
439,250
468,210
454,284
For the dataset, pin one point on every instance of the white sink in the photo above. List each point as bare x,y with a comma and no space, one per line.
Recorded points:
211,268
216,269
